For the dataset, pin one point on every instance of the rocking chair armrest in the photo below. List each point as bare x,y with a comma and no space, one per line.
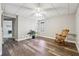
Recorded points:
59,34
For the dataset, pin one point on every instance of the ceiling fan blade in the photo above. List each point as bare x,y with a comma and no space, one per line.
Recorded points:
48,9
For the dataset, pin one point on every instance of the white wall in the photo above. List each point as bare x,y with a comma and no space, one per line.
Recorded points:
51,26
24,26
0,32
56,24
15,29
77,28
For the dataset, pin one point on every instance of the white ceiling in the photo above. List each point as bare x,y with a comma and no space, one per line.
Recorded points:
50,9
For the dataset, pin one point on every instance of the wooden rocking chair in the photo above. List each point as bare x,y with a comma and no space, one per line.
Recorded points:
60,37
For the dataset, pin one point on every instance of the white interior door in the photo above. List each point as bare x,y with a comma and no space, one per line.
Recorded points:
7,29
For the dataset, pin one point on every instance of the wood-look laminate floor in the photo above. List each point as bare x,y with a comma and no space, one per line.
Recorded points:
38,47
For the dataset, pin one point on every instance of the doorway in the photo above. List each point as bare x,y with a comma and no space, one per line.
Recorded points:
8,28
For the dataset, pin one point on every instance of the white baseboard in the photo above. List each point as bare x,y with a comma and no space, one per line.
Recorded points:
77,46
16,39
70,41
20,39
54,39
47,37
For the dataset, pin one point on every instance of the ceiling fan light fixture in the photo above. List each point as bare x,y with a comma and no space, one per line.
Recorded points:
39,13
